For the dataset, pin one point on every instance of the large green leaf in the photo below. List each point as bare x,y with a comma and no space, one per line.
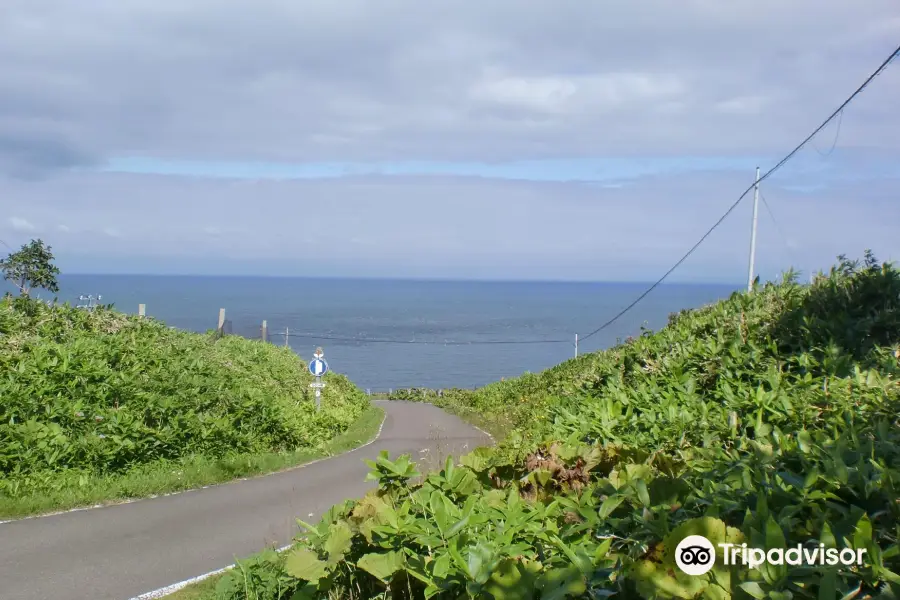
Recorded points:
655,581
304,564
382,565
511,581
339,541
609,505
556,584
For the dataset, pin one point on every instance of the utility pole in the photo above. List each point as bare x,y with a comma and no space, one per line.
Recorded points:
750,276
287,334
576,345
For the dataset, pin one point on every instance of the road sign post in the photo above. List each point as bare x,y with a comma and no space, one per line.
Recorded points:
318,367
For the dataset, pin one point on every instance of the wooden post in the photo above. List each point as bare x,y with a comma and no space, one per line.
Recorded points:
221,319
142,310
265,331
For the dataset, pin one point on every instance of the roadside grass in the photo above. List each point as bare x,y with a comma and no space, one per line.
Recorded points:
428,462
202,590
76,489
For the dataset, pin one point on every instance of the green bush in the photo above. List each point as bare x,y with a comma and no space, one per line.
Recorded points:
103,392
770,419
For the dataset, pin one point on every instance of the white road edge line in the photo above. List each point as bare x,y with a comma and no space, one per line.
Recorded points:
133,500
171,589
490,437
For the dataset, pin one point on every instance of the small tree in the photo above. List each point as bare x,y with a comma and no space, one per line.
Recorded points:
31,267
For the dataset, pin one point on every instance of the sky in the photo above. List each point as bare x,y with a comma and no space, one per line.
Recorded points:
490,140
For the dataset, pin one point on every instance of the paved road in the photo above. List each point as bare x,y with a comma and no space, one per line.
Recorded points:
122,551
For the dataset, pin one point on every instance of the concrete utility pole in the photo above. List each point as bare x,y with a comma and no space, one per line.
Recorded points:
750,276
576,345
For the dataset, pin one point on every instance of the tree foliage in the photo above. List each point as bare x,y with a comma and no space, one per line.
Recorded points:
31,267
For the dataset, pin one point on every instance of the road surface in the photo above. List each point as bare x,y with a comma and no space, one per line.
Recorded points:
123,551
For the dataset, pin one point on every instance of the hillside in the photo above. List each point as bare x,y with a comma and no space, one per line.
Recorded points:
90,396
768,419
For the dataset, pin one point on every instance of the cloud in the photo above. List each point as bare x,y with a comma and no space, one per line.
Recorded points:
446,136
606,93
403,80
63,228
744,105
19,224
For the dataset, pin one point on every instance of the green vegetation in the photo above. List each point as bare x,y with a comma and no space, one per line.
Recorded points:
99,406
768,419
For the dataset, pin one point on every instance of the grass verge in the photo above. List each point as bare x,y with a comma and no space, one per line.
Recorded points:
79,490
202,590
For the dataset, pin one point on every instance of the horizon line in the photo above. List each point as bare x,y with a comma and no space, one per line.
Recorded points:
401,279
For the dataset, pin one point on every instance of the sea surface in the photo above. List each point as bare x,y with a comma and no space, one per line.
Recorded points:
435,334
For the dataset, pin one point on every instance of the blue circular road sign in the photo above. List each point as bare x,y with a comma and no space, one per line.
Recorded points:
318,367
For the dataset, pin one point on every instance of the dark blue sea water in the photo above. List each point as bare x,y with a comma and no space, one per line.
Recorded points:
454,318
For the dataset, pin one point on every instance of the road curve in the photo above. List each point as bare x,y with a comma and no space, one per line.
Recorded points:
122,551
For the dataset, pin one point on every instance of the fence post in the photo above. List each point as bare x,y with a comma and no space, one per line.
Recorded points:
287,333
265,331
221,325
142,310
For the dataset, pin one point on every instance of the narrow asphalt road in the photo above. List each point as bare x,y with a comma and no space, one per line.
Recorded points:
122,551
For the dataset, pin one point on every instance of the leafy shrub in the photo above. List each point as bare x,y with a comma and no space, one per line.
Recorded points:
768,419
102,392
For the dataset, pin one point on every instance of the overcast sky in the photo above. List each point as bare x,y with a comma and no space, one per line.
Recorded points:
492,139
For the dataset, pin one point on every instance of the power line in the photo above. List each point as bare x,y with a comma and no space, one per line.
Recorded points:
768,173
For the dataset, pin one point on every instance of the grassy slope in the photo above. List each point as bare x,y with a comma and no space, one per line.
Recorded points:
768,418
100,406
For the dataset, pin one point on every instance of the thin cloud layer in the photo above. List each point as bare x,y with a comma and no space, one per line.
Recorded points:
390,226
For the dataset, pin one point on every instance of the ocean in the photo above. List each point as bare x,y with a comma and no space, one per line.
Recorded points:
436,334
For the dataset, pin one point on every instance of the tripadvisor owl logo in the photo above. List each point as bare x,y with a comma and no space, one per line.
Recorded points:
695,555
